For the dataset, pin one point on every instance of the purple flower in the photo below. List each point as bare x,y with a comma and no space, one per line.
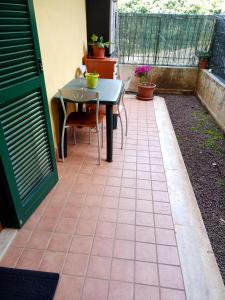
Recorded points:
143,72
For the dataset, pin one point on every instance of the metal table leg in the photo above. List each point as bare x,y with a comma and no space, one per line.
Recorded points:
109,132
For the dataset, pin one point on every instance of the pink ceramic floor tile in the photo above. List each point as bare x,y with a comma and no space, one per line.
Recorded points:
120,291
170,276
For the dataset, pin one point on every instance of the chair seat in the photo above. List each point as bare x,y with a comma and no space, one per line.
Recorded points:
84,119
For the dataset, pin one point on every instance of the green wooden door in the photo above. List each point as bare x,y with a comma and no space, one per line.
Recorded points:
26,147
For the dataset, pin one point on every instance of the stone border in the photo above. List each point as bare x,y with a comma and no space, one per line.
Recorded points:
201,274
6,238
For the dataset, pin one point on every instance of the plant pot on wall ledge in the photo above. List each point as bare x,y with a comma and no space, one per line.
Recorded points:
98,52
145,92
203,64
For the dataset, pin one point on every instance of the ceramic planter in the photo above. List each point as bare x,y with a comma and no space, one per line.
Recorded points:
203,64
92,80
145,92
98,52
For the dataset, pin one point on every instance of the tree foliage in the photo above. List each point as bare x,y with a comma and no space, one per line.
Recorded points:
172,6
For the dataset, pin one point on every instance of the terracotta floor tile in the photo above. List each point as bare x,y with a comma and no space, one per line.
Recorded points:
69,288
70,211
99,179
157,168
115,172
146,273
96,189
122,270
110,202
102,247
165,237
167,294
145,292
47,224
106,229
127,203
52,261
128,193
130,166
159,186
112,191
145,252
129,182
163,221
113,181
162,208
143,194
32,222
170,276
126,217
81,244
21,238
92,200
120,291
144,206
108,214
124,249
30,259
95,289
66,225
60,242
52,212
144,219
125,232
39,240
129,174
168,255
85,227
143,167
90,213
156,161
160,196
158,176
11,257
142,175
76,199
76,264
99,267
145,234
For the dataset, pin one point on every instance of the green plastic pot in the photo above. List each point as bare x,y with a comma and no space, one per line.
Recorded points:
92,80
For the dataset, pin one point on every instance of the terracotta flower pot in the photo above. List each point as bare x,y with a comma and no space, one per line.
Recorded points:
203,64
98,52
145,92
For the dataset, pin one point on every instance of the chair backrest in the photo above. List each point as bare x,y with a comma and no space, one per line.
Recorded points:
81,95
127,84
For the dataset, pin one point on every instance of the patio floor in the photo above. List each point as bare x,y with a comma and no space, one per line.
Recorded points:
107,229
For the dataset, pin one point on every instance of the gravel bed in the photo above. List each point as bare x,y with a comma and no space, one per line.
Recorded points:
202,145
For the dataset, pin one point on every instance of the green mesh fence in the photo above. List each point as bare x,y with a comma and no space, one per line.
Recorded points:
163,39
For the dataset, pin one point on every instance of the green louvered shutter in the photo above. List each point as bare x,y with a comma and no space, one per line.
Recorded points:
26,146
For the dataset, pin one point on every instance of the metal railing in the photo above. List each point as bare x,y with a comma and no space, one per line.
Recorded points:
217,59
163,39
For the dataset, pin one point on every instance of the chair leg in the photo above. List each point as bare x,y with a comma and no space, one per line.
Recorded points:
89,135
125,111
62,143
121,124
102,134
99,152
74,136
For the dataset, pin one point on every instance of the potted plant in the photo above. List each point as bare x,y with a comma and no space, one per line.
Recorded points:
145,87
98,46
203,59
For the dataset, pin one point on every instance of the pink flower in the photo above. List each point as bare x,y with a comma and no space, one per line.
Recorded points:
143,72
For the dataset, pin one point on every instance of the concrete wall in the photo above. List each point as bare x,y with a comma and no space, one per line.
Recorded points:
62,36
211,92
167,79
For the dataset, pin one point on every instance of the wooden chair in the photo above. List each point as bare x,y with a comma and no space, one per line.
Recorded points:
81,119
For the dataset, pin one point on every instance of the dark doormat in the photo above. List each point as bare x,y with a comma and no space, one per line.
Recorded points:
24,284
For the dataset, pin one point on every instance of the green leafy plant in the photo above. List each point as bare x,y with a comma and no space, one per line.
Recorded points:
99,41
203,55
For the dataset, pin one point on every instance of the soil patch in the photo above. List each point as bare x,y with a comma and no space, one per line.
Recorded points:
202,145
